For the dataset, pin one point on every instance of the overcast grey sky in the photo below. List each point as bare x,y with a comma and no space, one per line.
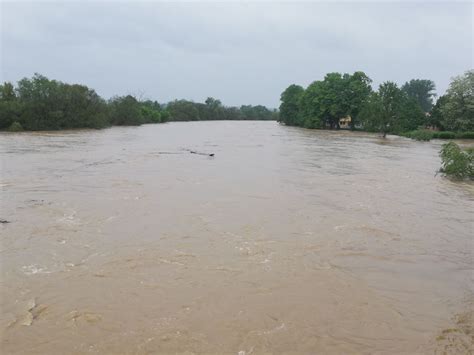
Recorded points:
240,52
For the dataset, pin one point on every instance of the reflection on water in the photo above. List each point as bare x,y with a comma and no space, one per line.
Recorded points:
287,240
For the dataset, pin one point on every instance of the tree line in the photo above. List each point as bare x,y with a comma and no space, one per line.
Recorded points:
39,103
389,109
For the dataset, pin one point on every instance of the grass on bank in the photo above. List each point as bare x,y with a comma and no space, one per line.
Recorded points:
426,135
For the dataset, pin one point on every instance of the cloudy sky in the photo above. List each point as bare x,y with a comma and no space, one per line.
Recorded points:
239,52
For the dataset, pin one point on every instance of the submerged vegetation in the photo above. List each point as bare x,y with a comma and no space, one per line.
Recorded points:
426,135
339,97
39,103
457,163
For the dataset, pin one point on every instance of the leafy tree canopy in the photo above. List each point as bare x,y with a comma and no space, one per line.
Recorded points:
457,109
39,103
422,91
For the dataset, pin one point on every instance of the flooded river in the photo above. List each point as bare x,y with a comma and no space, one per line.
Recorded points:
288,240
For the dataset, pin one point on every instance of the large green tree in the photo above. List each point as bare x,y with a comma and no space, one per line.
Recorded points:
258,112
151,111
435,118
311,114
325,102
391,110
290,108
42,100
213,109
458,109
183,110
357,93
126,111
422,91
10,107
334,101
50,104
7,92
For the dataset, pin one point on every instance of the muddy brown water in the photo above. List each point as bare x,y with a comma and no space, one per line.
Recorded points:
288,240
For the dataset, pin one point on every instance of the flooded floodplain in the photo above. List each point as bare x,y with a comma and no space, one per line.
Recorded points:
121,241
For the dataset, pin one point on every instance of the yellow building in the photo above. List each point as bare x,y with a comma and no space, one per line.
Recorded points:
345,122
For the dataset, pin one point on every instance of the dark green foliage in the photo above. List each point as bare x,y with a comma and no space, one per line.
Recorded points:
333,104
165,116
42,104
457,163
212,109
325,102
357,93
10,111
15,127
150,111
10,107
390,110
149,115
182,110
419,135
422,91
126,111
290,108
435,118
370,113
310,107
444,135
258,112
411,116
457,111
465,135
7,92
426,135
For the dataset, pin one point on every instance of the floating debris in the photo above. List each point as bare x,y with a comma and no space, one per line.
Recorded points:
199,153
31,304
207,154
88,317
38,309
27,320
33,312
169,152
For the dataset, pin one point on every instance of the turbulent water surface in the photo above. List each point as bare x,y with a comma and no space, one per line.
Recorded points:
286,241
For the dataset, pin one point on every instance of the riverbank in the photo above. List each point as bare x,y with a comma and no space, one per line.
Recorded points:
38,104
420,134
426,135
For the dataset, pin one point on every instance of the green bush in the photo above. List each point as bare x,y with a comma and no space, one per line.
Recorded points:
465,135
444,135
457,163
15,127
419,135
426,135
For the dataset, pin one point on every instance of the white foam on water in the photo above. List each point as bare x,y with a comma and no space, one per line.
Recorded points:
35,269
69,218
